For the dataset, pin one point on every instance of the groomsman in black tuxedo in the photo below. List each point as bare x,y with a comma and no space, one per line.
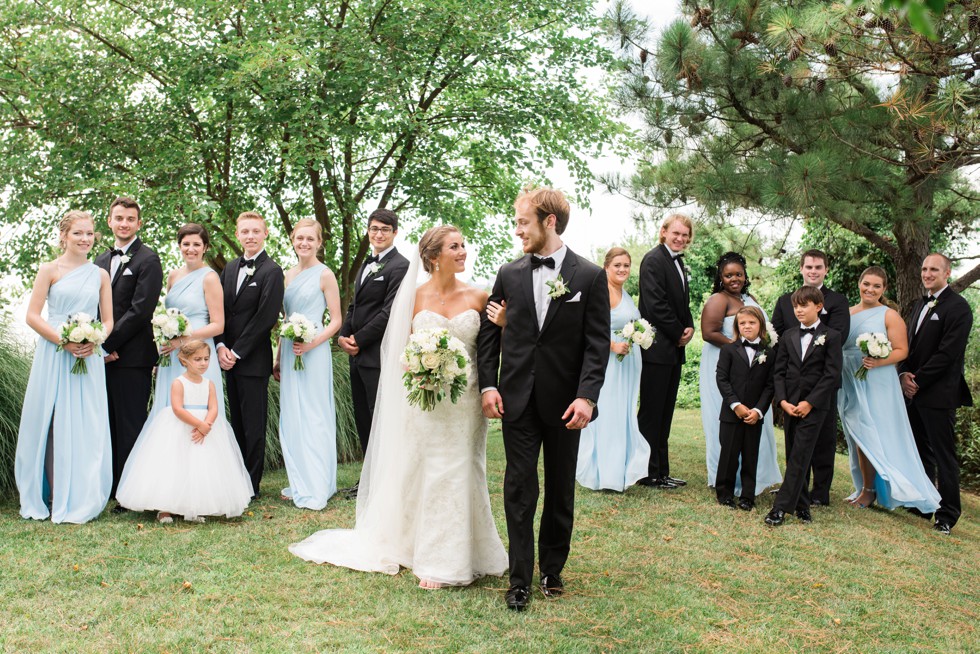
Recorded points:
808,366
137,278
554,350
836,315
253,286
665,301
364,326
933,382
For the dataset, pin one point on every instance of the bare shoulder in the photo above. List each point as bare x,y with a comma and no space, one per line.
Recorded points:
476,298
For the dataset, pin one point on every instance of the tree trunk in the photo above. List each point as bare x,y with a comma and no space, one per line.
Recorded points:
913,246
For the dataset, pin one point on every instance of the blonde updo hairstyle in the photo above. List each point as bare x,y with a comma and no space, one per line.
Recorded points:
189,349
67,221
430,245
308,222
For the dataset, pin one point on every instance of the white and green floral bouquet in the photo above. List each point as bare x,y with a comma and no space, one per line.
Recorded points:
298,329
875,345
168,324
639,332
81,328
435,365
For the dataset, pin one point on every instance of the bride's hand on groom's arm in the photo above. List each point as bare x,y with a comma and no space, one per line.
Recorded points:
493,405
578,414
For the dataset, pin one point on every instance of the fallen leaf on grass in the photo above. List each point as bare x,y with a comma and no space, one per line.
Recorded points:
267,516
249,513
187,585
836,620
104,584
75,567
667,539
818,585
139,526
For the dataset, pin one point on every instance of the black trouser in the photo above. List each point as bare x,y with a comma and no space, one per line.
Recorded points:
737,440
364,391
658,395
802,435
934,431
824,455
524,439
248,406
128,391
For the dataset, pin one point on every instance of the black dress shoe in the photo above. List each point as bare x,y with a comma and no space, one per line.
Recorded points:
350,493
656,483
919,514
552,585
729,502
119,508
746,505
518,597
803,515
819,503
675,481
942,527
775,518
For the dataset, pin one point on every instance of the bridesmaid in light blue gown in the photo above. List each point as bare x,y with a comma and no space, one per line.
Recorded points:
307,416
195,289
718,328
612,452
63,463
885,463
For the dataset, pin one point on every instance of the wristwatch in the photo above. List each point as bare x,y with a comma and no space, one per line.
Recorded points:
591,403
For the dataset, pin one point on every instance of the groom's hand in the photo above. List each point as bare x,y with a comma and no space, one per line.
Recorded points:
493,405
578,414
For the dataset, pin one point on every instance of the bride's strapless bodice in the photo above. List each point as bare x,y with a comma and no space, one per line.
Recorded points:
465,326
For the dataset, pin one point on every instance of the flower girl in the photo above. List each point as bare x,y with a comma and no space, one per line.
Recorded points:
187,461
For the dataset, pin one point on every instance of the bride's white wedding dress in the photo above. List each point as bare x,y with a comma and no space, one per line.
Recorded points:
426,506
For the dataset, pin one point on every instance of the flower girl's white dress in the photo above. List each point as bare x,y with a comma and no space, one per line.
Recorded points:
167,471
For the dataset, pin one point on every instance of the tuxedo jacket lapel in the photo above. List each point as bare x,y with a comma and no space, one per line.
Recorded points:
567,273
794,341
821,330
527,285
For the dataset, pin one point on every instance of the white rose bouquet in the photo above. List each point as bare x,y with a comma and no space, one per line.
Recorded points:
435,364
640,332
875,345
771,336
168,324
298,329
81,328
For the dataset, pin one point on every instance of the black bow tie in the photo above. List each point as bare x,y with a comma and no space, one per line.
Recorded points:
371,259
928,298
679,257
537,262
754,346
248,264
808,330
115,252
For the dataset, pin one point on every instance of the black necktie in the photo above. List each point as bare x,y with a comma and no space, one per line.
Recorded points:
115,252
537,262
807,330
371,259
754,346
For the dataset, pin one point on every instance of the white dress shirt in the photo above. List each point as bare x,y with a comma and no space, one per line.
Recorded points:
241,269
680,268
540,277
381,255
805,339
116,259
925,309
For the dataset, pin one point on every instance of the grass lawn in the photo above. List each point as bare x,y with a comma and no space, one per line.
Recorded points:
651,571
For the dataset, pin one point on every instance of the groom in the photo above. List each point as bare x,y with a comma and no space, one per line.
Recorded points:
555,349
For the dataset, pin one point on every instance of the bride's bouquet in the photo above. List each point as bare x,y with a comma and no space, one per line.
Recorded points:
168,324
640,332
435,364
298,329
875,345
81,328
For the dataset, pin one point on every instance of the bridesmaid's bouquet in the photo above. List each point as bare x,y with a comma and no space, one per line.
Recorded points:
81,328
640,332
298,329
875,345
168,324
435,364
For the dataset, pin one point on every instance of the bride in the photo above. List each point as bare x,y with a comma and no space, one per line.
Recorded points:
423,502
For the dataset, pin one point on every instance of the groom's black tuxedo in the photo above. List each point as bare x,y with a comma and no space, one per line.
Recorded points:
129,379
250,315
541,372
837,315
936,356
814,379
366,321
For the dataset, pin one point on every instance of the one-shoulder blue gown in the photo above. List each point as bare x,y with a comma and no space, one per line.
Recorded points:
307,417
75,408
875,419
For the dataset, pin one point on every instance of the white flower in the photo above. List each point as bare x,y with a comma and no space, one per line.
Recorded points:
761,358
558,288
249,272
80,317
77,334
932,304
628,329
374,268
430,360
124,259
771,331
173,311
820,340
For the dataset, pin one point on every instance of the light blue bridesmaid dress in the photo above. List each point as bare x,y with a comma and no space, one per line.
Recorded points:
875,419
187,294
75,407
767,472
307,417
612,452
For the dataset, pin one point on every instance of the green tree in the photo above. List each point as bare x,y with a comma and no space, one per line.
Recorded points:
298,108
816,110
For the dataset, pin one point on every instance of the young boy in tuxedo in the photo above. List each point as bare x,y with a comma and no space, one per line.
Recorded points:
745,379
808,367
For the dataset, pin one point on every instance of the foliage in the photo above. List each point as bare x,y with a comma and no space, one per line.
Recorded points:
814,110
298,108
15,368
968,418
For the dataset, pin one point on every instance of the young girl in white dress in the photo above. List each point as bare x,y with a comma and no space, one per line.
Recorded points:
187,462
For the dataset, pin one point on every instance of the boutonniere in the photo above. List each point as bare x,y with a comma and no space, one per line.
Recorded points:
761,357
932,304
820,340
124,259
558,288
375,268
249,272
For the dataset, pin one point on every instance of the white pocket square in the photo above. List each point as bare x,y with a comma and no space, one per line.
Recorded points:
934,317
823,312
379,279
253,284
575,298
127,271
